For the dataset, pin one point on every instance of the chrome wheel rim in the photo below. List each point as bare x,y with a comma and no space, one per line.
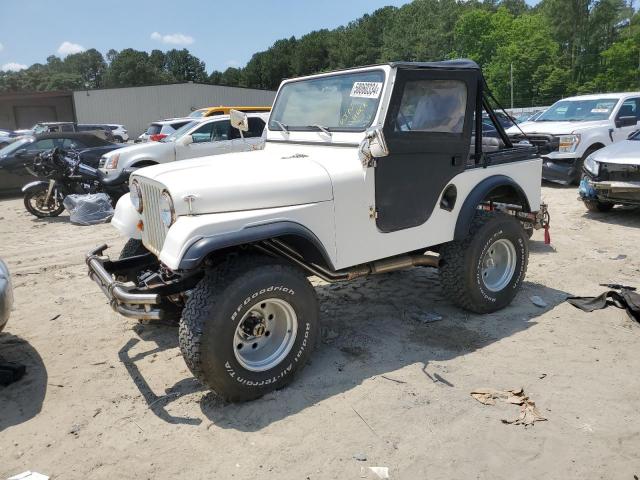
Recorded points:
37,202
265,335
498,265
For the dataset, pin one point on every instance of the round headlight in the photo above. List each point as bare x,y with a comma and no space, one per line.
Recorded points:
167,212
136,195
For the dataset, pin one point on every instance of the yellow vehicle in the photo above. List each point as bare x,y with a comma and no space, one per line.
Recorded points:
222,110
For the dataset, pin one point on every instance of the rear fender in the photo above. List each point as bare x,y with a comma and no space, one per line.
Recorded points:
479,194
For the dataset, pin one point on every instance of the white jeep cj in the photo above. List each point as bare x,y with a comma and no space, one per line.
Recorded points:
365,171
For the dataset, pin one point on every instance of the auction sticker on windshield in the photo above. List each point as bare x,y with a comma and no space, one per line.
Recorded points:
366,89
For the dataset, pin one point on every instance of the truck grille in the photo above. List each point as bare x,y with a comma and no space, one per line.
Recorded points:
619,172
154,231
544,143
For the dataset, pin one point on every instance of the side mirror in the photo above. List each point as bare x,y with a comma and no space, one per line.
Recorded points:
626,121
239,120
185,140
372,146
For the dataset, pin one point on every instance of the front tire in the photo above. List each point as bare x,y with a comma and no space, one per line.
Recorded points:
597,206
483,272
36,204
133,248
249,326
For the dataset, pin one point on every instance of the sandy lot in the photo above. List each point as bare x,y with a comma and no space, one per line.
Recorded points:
107,398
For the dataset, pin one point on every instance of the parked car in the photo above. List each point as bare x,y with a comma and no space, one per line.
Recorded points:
611,176
7,137
6,295
163,128
365,171
573,128
99,130
120,133
17,157
222,110
529,116
197,138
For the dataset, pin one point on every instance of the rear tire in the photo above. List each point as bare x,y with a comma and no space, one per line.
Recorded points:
484,272
249,326
34,202
597,206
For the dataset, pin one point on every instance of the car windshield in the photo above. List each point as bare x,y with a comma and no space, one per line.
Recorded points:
12,147
197,114
178,133
579,110
344,102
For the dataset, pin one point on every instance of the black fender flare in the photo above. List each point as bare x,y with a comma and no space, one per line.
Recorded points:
477,195
198,251
33,185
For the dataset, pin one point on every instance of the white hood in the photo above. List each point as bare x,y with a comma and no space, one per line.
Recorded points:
242,181
556,128
626,152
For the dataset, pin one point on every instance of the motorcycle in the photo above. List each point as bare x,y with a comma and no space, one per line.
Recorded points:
67,175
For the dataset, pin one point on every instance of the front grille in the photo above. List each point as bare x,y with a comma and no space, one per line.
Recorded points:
619,172
154,232
544,143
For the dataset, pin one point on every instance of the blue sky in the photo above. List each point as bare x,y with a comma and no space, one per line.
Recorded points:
222,34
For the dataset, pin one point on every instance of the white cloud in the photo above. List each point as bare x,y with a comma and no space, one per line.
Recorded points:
68,48
12,67
232,63
1,47
173,38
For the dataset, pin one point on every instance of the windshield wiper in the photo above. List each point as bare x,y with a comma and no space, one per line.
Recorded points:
283,126
321,128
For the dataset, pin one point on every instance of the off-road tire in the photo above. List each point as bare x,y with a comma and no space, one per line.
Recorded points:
461,270
217,305
597,206
38,213
133,248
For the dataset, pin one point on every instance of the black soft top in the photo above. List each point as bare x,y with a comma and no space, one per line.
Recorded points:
87,138
457,64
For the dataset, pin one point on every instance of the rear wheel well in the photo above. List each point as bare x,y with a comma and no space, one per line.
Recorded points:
508,194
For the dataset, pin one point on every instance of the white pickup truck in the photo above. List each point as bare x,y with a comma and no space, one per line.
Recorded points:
198,138
573,128
365,171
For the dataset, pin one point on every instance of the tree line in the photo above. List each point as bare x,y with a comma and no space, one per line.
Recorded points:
557,48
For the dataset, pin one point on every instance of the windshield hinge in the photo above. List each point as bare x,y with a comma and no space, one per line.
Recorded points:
373,212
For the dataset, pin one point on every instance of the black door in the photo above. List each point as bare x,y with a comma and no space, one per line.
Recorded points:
428,132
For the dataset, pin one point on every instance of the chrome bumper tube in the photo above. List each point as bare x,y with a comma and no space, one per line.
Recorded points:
121,299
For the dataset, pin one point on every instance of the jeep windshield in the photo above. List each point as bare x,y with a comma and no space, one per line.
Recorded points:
579,110
344,102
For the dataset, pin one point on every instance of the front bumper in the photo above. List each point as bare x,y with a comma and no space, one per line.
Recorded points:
610,191
125,299
562,171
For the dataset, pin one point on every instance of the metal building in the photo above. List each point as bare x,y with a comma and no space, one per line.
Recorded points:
136,107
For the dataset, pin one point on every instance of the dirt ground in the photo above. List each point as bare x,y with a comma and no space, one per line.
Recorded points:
108,398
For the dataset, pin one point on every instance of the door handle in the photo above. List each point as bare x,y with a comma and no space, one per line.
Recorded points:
456,160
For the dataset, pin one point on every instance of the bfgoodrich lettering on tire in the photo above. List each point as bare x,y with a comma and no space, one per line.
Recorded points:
483,272
249,326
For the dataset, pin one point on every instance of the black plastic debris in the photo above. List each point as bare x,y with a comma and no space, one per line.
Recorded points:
625,298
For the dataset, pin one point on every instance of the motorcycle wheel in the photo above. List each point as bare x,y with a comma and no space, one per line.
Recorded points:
34,202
